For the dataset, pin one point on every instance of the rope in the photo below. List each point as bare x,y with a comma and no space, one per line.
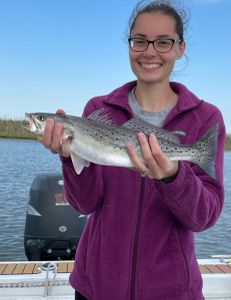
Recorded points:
49,267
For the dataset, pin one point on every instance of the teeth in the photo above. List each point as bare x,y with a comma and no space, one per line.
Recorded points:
150,66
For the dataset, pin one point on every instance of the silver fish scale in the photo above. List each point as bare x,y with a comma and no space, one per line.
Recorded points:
179,151
104,144
142,126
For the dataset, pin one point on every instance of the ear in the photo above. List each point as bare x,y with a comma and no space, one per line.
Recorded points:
181,50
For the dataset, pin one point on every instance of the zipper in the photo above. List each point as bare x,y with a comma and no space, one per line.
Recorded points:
136,242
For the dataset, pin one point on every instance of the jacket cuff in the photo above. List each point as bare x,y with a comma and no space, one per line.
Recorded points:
65,159
174,184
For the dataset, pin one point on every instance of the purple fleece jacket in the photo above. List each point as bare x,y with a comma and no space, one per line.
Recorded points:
138,243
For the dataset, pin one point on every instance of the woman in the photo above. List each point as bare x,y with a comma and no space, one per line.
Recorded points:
138,242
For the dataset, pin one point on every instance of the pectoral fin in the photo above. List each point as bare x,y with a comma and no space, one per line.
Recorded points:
79,163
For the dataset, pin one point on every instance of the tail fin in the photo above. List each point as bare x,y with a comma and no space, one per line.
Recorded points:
208,151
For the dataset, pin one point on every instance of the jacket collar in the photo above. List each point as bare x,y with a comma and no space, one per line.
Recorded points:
119,97
186,101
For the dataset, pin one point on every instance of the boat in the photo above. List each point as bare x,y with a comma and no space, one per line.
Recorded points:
50,280
52,231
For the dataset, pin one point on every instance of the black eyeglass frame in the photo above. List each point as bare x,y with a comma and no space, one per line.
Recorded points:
153,44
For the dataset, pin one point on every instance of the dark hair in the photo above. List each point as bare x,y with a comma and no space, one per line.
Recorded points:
166,7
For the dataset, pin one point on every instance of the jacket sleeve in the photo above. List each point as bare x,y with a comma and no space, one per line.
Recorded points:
194,198
84,191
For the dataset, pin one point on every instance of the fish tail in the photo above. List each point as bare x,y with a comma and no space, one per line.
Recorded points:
207,146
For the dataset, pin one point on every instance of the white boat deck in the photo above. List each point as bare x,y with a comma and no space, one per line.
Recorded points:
30,280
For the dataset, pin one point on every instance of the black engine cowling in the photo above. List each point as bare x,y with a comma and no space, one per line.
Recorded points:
53,228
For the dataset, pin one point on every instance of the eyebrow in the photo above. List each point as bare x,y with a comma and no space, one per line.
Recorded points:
158,37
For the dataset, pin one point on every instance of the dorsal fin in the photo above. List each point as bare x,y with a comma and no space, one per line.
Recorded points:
99,117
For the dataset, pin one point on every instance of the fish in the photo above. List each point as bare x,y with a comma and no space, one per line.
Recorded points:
96,139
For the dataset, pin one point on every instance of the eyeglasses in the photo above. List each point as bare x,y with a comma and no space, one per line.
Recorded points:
160,45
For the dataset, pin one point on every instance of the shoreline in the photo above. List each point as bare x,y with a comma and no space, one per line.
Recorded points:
14,129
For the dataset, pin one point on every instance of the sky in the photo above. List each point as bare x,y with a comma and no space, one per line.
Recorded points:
60,53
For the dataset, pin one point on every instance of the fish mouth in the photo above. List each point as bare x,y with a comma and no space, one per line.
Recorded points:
29,122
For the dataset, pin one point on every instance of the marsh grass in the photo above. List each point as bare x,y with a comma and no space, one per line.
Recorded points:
10,128
228,143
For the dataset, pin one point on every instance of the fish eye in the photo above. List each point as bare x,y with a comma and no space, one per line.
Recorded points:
41,118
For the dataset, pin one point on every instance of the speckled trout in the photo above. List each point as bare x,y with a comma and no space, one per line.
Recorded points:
96,139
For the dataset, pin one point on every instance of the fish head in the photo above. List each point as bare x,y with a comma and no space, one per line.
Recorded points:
35,122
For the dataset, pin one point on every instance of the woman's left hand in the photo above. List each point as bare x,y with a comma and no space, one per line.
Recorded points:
156,164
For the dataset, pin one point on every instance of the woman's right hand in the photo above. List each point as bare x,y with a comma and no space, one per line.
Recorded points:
52,137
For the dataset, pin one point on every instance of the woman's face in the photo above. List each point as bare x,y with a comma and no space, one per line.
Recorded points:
150,66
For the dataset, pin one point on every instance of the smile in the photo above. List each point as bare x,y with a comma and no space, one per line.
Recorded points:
150,66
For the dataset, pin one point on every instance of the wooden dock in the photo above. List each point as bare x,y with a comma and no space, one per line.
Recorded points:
66,267
31,268
215,269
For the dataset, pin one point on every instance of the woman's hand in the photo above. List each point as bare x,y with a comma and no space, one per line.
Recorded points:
156,164
52,137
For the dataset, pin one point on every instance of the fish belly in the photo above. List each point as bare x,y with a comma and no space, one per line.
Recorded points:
102,153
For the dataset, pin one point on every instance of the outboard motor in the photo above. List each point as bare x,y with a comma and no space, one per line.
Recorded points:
53,228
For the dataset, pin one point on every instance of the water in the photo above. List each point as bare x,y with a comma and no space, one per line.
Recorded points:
217,240
22,160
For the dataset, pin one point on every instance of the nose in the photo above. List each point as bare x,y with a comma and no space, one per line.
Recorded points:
150,50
